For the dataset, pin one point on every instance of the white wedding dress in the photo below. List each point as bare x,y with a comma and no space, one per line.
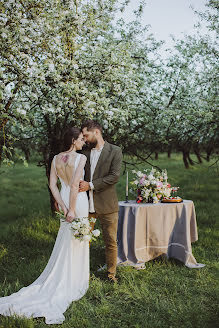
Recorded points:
65,277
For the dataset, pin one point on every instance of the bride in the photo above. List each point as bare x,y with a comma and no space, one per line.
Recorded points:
66,275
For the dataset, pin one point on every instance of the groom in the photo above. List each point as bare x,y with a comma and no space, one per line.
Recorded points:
102,172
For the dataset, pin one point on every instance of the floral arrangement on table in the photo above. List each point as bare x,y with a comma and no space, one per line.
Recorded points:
81,227
151,185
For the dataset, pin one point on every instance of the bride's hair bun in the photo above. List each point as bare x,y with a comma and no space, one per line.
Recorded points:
71,135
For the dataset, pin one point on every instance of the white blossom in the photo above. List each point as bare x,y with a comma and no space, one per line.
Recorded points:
86,238
96,233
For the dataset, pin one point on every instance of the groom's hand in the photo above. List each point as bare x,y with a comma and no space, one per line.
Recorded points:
84,186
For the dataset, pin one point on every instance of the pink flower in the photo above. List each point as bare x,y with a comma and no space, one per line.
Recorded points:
168,185
159,184
141,180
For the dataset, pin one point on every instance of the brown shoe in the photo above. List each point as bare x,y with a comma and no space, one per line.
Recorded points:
112,278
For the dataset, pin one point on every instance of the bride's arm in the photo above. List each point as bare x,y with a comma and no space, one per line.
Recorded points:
75,187
54,188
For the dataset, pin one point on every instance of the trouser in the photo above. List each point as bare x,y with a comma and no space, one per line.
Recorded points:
109,225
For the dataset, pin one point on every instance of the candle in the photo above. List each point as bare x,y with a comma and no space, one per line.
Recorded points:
127,184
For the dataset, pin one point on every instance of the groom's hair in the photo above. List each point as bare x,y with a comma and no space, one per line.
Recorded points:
91,125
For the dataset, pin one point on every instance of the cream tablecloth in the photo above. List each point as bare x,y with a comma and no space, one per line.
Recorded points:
145,231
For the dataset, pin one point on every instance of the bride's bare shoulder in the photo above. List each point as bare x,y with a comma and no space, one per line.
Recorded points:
83,157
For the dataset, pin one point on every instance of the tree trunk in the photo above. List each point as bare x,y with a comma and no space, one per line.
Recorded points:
189,159
26,151
208,153
197,153
186,163
1,151
169,152
156,155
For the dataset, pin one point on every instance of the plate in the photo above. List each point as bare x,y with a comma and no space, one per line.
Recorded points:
172,201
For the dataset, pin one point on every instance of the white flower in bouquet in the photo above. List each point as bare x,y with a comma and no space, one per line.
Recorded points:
144,182
84,221
139,174
96,232
146,193
76,225
86,238
153,170
165,175
87,224
167,192
85,231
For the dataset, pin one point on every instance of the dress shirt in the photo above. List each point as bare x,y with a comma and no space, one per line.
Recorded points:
94,157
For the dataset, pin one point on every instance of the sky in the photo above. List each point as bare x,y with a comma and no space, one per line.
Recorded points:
168,17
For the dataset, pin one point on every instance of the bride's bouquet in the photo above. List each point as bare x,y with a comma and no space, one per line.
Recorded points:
151,186
82,228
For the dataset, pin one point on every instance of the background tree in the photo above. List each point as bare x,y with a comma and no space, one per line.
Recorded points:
66,61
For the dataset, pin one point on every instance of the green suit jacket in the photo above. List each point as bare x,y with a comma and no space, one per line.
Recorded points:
105,176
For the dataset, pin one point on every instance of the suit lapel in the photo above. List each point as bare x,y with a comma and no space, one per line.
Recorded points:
103,157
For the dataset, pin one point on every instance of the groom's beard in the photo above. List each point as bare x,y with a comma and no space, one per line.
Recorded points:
90,145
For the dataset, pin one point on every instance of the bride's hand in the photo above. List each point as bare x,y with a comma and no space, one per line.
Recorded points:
65,211
70,217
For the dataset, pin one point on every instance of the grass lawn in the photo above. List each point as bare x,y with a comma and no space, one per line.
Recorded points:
167,294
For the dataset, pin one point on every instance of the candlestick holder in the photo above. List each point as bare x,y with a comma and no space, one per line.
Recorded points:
126,199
